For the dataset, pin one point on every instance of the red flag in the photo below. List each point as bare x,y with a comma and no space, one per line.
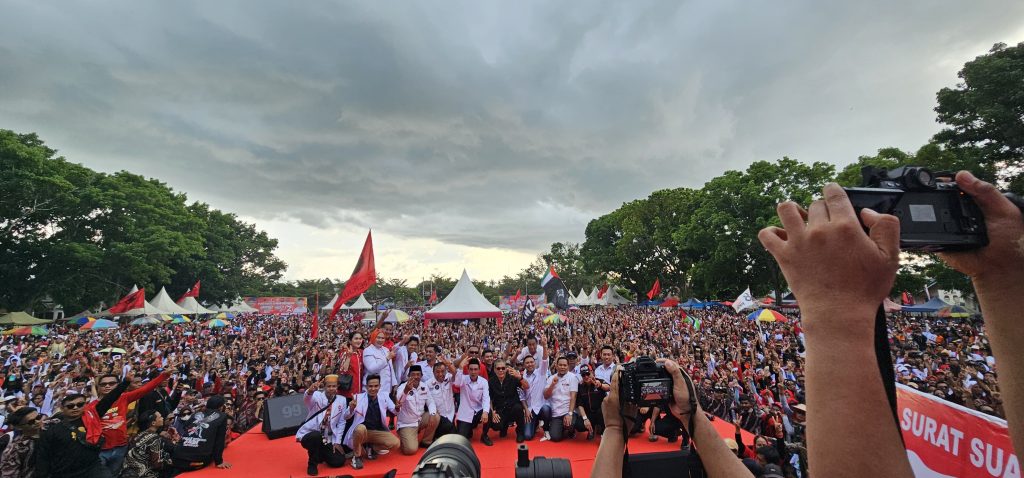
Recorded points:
135,300
519,295
433,296
655,289
193,292
603,291
363,277
316,319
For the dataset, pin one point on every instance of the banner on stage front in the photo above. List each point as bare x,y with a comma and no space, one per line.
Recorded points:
506,302
946,440
278,305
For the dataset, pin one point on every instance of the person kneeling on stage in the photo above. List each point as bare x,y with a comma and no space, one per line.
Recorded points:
506,405
368,428
321,433
440,387
588,417
417,413
561,393
474,400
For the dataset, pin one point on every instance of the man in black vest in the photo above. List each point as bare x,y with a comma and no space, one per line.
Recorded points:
202,438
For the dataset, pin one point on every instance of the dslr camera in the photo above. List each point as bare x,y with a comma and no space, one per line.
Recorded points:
935,215
645,383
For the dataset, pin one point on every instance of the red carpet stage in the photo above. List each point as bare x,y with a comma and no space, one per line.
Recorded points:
254,456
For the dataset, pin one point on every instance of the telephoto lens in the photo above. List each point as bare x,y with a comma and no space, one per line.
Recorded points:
541,467
450,456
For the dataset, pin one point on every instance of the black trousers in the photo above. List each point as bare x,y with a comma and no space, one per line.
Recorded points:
509,415
596,421
319,452
559,431
670,427
466,429
444,427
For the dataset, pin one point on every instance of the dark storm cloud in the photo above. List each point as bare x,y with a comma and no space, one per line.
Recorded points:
483,124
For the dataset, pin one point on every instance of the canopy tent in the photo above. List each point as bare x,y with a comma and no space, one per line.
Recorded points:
361,304
164,302
612,297
242,307
330,305
21,318
464,302
592,298
931,306
582,298
192,306
690,303
650,303
146,309
670,302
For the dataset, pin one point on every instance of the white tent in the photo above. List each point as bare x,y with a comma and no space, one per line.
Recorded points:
464,302
163,301
360,304
579,299
330,305
146,309
592,298
192,306
613,298
242,307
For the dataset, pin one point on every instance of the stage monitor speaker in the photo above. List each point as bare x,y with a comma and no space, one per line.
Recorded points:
282,416
666,463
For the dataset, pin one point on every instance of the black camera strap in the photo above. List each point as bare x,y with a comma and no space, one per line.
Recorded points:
884,358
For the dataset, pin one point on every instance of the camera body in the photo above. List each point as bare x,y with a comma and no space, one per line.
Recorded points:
645,383
934,215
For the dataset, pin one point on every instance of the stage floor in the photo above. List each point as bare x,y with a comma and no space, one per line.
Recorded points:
254,456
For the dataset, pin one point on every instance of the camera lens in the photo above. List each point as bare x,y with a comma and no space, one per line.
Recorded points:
451,455
924,177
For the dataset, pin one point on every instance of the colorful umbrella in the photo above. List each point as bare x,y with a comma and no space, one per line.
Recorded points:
217,323
147,321
166,317
180,319
100,324
224,315
953,311
767,315
396,315
112,350
554,319
83,320
33,330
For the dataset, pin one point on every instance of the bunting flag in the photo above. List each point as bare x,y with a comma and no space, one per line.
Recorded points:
744,301
363,277
433,296
193,292
603,291
555,290
135,300
313,334
655,289
529,310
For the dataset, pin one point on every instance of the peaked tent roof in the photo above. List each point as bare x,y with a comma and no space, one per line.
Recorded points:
330,305
464,302
22,318
360,304
146,309
192,306
581,298
690,303
592,298
613,298
932,305
164,302
243,307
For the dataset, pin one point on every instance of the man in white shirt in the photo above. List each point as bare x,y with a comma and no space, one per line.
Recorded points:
417,413
537,408
322,432
474,400
440,387
561,394
532,349
369,425
430,357
604,371
377,360
405,357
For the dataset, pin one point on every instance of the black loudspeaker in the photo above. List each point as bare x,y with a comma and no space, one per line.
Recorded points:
282,416
666,463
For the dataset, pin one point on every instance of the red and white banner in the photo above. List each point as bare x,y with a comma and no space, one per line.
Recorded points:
278,305
946,440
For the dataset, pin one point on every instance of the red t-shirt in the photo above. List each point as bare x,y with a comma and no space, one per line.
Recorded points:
115,421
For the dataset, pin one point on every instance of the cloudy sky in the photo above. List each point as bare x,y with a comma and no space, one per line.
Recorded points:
471,134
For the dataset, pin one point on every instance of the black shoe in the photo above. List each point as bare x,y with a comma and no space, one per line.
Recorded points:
673,439
503,433
311,469
590,436
486,440
520,438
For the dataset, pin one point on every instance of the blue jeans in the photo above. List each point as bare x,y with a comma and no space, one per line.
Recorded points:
113,458
531,426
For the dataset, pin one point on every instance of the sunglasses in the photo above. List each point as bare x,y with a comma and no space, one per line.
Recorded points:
499,368
108,384
474,352
74,406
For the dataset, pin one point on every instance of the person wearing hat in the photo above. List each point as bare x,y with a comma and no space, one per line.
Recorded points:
203,438
324,427
588,417
417,413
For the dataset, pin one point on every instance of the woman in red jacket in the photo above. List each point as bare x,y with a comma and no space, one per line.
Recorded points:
351,363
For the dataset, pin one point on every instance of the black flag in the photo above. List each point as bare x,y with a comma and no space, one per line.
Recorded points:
555,290
529,310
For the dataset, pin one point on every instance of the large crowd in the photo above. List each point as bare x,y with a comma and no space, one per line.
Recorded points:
168,399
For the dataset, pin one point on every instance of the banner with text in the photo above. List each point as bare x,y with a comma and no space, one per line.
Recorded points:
506,303
946,440
278,305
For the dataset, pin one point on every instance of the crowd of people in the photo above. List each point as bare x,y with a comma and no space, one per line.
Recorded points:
151,402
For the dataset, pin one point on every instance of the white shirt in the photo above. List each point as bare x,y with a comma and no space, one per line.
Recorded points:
412,403
474,396
560,396
375,361
538,355
314,403
444,398
537,380
604,373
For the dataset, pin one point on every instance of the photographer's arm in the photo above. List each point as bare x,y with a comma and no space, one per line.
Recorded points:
838,303
997,271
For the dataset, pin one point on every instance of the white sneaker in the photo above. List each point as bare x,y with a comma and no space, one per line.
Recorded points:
383,452
547,436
